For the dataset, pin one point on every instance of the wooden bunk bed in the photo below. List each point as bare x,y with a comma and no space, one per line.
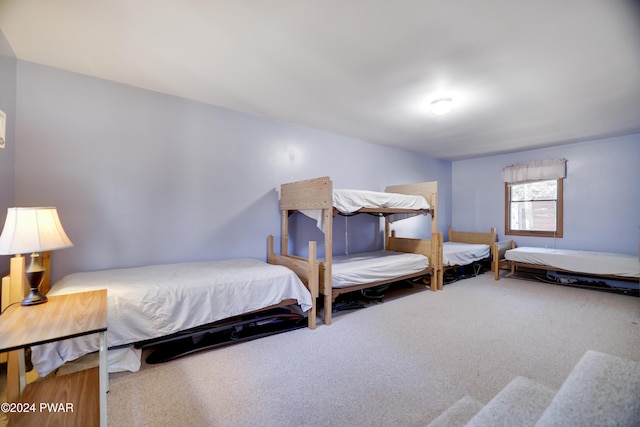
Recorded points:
317,195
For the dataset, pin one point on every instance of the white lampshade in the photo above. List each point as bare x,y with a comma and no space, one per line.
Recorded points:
441,106
28,230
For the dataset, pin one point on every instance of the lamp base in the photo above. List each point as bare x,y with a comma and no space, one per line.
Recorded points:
34,298
34,275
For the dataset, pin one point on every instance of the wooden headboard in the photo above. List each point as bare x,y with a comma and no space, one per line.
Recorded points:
473,236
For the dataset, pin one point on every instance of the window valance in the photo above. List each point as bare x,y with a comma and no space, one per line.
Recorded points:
535,170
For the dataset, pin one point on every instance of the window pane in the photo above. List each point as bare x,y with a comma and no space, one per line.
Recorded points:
538,190
533,216
534,208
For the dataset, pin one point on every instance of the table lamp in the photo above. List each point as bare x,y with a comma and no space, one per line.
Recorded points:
33,230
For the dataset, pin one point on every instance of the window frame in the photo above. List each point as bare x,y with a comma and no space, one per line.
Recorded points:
559,212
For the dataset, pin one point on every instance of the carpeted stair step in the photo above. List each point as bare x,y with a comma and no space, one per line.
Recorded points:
458,414
601,390
520,403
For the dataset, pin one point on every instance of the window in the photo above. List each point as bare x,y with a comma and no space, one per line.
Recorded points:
534,208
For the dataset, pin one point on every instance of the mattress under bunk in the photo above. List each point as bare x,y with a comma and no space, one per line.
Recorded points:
375,266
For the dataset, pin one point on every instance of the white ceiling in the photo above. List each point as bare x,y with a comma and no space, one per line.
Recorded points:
523,74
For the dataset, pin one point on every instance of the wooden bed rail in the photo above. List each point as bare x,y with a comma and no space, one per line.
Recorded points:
431,248
305,268
410,245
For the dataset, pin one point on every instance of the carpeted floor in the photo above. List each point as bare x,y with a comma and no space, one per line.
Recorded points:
398,363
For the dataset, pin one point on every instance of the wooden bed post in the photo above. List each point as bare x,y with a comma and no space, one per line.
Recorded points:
328,261
305,269
312,284
495,261
386,234
270,254
498,250
284,238
437,238
434,211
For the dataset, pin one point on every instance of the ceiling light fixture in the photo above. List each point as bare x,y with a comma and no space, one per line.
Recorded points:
441,106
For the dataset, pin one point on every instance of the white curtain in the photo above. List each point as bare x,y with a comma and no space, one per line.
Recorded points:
536,170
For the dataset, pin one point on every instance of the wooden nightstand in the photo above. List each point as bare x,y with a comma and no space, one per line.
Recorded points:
74,399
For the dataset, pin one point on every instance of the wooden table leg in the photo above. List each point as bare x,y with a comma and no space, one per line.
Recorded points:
104,379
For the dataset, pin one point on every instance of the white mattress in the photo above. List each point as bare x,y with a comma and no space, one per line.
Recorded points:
457,253
350,201
154,301
367,267
587,262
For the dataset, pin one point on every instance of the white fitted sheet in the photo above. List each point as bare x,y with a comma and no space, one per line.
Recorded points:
458,253
368,267
154,301
350,201
587,262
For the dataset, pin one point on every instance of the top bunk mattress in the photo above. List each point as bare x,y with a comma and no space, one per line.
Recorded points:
350,201
457,253
154,301
587,262
368,267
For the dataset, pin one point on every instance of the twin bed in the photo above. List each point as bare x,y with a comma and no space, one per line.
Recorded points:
153,302
467,248
604,265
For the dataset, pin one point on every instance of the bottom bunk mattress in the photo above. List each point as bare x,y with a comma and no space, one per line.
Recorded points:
154,301
368,267
458,253
577,261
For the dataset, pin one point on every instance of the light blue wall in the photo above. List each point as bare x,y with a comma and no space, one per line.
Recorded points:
8,105
601,194
139,177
